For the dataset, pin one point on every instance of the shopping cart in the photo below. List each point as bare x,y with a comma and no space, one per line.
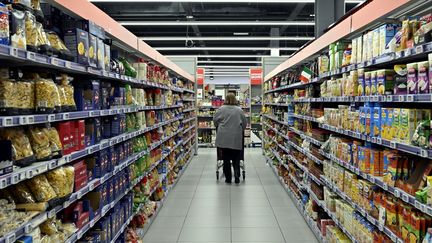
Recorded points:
219,162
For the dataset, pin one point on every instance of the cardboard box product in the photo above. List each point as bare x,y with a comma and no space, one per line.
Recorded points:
369,121
385,83
384,128
400,79
386,33
100,54
423,81
92,51
77,41
107,57
87,95
354,51
64,131
369,50
408,123
376,43
376,162
361,82
412,78
368,83
377,122
79,126
395,124
374,83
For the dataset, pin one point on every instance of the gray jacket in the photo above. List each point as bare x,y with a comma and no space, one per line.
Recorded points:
230,122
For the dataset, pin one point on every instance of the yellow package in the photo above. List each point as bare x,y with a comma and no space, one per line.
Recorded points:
395,128
373,83
407,125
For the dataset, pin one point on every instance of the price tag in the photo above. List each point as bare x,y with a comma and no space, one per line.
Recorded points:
378,140
389,98
362,98
31,56
13,52
68,64
92,186
380,227
385,186
375,98
405,197
51,118
401,98
418,205
419,49
410,98
399,54
424,153
396,193
367,98
392,144
10,238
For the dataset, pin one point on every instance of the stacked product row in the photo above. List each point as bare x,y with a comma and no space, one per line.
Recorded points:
350,136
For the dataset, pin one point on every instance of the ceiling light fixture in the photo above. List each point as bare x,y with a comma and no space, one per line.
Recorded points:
225,48
215,1
240,33
227,38
228,61
222,56
233,67
217,23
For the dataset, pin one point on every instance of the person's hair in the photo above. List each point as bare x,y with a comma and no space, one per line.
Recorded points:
230,99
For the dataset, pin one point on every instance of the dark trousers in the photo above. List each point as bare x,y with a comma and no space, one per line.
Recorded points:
228,156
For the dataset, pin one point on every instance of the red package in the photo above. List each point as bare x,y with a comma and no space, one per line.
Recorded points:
64,131
79,134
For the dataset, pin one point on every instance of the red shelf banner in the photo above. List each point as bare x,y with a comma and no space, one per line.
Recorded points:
200,76
256,76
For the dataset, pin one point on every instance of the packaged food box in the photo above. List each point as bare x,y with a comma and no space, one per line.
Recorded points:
377,122
376,163
354,51
373,83
87,95
423,82
400,80
92,51
369,45
359,58
77,41
92,131
64,130
386,33
412,82
79,126
107,57
407,125
368,83
369,121
376,43
100,54
395,124
361,82
385,82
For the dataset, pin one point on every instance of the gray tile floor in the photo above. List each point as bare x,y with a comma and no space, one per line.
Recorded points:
200,209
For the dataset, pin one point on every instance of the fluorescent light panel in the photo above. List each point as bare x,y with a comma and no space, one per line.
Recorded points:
224,48
217,23
223,56
228,61
236,67
228,75
227,38
215,1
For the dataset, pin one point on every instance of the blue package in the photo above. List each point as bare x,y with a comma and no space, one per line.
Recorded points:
92,131
105,95
87,95
106,127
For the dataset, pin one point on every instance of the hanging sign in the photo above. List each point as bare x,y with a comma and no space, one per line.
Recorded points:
256,76
200,76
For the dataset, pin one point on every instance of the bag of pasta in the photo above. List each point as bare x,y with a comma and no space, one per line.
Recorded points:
40,188
66,93
44,45
61,180
21,193
47,96
55,143
59,48
31,32
25,93
40,143
8,99
22,153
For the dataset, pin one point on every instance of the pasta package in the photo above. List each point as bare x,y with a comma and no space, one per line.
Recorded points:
24,93
41,189
44,45
31,31
40,143
67,93
59,48
55,143
22,152
47,97
61,180
8,99
21,193
18,30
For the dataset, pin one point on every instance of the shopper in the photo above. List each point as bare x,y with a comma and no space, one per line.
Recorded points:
230,122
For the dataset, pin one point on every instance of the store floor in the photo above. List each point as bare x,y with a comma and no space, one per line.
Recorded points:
199,209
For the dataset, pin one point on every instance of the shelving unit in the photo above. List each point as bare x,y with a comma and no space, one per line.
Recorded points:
161,147
304,137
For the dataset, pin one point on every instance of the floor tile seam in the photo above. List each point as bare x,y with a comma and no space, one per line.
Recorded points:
196,187
274,214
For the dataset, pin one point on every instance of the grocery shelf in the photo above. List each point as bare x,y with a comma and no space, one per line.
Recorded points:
275,119
416,98
21,120
305,136
189,119
256,104
299,206
362,211
276,104
190,109
28,172
204,116
378,181
188,139
188,91
294,86
206,128
17,55
188,129
37,220
189,100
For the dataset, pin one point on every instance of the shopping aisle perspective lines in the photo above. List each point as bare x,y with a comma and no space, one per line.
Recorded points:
199,209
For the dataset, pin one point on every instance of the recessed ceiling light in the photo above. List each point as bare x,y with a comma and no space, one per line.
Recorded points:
189,17
312,15
241,33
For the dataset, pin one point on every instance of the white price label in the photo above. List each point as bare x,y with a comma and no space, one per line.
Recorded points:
401,98
30,56
392,144
424,153
389,98
405,197
410,98
68,64
10,238
396,193
66,116
419,49
51,118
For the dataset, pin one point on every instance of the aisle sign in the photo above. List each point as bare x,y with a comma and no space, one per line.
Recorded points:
256,77
200,76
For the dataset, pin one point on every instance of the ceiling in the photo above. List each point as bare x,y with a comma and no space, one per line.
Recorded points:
228,28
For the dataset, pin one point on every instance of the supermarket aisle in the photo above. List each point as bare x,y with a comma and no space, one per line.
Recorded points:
201,210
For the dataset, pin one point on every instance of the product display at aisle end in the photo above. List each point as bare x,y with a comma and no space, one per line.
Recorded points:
256,108
92,138
213,99
349,133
